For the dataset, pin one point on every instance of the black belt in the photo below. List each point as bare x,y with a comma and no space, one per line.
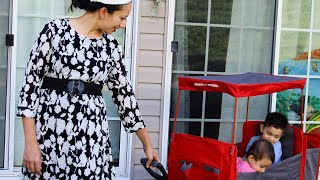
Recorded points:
74,87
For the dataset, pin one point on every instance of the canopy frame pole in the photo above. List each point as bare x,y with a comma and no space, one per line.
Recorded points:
234,119
247,113
176,115
302,110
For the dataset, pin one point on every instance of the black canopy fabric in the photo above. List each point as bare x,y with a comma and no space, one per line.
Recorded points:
241,85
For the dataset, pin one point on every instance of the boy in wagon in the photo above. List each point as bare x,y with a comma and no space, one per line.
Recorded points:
272,130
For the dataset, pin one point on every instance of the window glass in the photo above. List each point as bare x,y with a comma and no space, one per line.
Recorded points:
186,11
296,14
294,53
190,101
222,12
316,15
4,29
192,128
192,46
32,15
236,38
300,56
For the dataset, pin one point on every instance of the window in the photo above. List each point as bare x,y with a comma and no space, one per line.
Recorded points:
220,37
32,15
299,55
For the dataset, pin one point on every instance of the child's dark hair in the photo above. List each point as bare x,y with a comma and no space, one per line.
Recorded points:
276,120
261,149
93,6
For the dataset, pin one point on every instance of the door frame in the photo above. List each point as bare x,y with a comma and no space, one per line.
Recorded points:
167,82
10,99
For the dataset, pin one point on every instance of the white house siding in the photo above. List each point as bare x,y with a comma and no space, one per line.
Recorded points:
149,79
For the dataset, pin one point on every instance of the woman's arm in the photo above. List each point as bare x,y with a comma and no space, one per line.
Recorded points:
32,158
147,146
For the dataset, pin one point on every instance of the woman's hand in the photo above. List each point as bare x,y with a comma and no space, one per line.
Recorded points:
147,147
151,155
32,158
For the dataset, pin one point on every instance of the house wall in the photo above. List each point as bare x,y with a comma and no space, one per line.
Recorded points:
149,79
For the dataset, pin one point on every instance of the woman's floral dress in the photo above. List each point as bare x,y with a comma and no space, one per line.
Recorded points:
72,130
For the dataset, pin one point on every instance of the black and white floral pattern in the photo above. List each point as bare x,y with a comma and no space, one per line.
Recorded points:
72,131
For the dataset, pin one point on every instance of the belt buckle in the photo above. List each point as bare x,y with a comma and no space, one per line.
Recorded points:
75,87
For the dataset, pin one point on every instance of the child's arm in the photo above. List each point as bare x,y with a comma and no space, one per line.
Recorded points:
252,140
277,152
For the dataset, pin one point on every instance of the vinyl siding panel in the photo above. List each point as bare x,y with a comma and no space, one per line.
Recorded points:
152,25
149,79
146,8
149,91
151,58
151,41
150,75
150,107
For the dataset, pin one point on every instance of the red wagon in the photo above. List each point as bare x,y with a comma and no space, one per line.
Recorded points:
199,158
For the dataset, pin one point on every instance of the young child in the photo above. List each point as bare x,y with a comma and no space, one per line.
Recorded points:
272,129
258,157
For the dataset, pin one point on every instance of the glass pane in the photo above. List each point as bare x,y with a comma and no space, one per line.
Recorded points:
28,30
256,48
222,12
3,97
61,9
316,15
315,55
218,49
213,105
294,53
313,107
289,104
111,108
115,129
259,13
191,11
226,129
18,143
230,47
190,105
211,130
193,128
296,14
18,133
34,8
192,43
4,29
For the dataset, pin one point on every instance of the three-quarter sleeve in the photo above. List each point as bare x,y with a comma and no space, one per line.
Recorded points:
36,68
123,95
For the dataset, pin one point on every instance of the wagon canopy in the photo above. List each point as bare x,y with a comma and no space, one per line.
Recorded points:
241,85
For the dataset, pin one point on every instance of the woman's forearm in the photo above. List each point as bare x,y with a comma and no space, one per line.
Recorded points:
29,128
144,137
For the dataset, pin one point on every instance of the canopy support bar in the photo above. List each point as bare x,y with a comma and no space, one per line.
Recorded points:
234,120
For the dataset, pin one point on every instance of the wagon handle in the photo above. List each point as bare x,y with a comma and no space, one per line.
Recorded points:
157,165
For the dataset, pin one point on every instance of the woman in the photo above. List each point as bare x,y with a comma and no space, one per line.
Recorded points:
64,115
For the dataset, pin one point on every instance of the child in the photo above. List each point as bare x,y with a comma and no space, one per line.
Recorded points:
272,129
259,156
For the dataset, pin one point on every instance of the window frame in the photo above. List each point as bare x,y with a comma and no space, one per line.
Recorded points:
169,72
